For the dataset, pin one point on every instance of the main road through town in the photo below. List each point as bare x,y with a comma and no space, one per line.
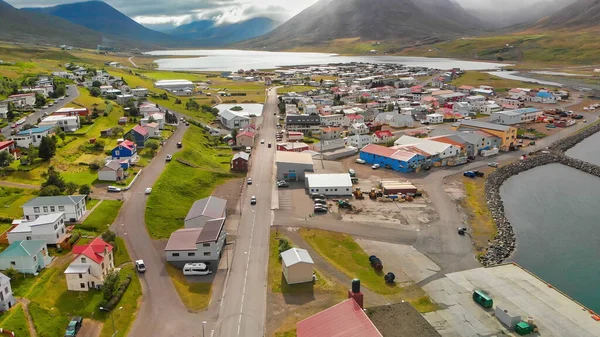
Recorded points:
242,311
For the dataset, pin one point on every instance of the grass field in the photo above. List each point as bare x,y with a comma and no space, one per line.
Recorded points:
102,216
180,185
481,224
11,200
346,46
194,295
475,78
349,257
14,320
294,88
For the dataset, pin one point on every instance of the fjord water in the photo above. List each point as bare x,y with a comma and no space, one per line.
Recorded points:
554,212
232,60
587,150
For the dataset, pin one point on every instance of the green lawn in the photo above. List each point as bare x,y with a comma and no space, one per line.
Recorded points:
104,214
48,323
195,295
475,78
180,185
11,200
349,257
90,203
14,320
121,255
172,75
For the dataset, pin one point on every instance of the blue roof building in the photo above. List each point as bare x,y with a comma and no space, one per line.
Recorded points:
33,136
27,256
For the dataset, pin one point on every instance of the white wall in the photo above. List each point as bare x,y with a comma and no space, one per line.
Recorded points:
71,211
108,175
42,232
298,273
332,190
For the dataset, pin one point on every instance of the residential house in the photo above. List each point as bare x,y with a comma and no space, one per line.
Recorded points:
430,101
245,139
489,109
435,118
332,120
7,299
463,108
479,140
65,123
148,109
26,257
206,209
123,99
310,109
382,137
351,119
437,151
92,263
157,117
3,110
139,134
295,136
8,146
126,150
511,117
359,141
292,147
104,89
507,134
466,89
232,119
396,159
303,123
49,227
111,171
33,136
139,92
331,132
204,244
545,97
395,120
240,161
22,100
71,112
73,206
359,129
153,130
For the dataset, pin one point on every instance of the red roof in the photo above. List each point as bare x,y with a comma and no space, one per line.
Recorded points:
140,129
380,134
352,117
128,144
245,133
94,250
379,150
22,95
346,319
446,140
416,89
6,144
466,87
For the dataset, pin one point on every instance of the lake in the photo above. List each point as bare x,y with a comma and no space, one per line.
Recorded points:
512,75
232,60
553,210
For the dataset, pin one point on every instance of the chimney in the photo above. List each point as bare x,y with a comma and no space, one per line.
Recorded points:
355,292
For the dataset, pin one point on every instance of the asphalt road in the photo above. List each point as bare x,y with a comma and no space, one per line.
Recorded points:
242,311
32,118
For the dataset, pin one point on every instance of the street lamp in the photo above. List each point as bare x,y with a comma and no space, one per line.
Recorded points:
203,323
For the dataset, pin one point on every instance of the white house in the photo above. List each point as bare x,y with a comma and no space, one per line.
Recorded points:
332,120
384,136
7,299
297,266
334,184
463,108
359,141
65,123
233,120
489,109
33,136
517,116
310,109
50,227
73,206
353,118
139,92
22,100
90,266
359,129
153,129
123,99
3,109
197,244
104,89
111,171
435,118
27,256
395,120
206,209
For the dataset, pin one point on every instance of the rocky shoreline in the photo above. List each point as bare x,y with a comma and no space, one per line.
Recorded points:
504,243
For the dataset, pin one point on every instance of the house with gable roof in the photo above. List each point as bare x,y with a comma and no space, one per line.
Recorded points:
206,209
26,257
126,150
90,266
139,134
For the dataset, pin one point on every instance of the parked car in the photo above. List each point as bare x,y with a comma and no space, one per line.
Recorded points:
249,181
148,190
262,141
74,326
375,167
493,164
253,200
140,266
320,209
283,183
168,157
360,161
113,189
179,145
317,196
196,269
320,201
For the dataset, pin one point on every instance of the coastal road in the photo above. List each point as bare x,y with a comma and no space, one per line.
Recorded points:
242,311
33,118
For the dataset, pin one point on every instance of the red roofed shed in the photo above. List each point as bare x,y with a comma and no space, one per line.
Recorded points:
346,319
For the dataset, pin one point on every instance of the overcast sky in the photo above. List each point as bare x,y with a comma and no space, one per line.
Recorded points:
177,12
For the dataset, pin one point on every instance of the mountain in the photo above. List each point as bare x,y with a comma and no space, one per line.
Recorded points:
580,14
101,17
29,27
205,33
410,21
513,12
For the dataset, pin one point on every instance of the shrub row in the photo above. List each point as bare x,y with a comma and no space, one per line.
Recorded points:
120,292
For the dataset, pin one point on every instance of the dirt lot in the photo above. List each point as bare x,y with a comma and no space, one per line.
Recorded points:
230,191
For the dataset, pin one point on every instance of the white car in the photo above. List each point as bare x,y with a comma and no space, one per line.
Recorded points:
375,167
113,189
253,200
148,190
140,266
196,269
360,161
262,141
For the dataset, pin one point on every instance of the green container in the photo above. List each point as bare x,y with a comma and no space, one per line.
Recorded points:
523,329
483,299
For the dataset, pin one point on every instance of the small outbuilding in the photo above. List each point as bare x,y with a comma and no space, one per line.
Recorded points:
239,162
337,184
297,266
112,171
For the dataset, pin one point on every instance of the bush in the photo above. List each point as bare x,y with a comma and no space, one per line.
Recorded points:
74,238
120,292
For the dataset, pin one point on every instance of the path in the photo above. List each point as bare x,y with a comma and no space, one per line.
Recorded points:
130,59
89,211
25,304
18,185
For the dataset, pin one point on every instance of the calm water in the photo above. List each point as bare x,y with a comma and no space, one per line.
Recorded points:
512,75
554,212
587,150
228,60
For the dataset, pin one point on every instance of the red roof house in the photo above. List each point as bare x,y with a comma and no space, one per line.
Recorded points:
346,319
96,250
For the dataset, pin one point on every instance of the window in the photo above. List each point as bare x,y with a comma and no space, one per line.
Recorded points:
34,258
175,254
83,260
61,208
326,190
102,265
206,253
52,209
55,226
117,152
6,290
206,245
191,254
46,207
82,285
57,236
62,230
80,275
36,209
347,189
13,263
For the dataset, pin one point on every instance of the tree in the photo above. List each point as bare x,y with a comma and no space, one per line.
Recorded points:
47,148
164,96
85,189
71,188
62,135
6,158
53,178
109,236
60,90
40,100
117,130
96,84
50,190
95,92
191,104
151,119
237,108
111,284
31,154
234,133
177,101
152,145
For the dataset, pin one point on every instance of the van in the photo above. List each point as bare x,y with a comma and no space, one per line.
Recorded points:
248,149
196,269
351,172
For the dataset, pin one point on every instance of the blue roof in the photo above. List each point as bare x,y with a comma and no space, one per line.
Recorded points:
24,248
36,130
525,110
544,94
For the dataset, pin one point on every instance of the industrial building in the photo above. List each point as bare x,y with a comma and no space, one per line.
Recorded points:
293,165
174,85
334,184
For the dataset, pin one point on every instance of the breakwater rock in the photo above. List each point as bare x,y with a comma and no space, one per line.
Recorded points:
562,145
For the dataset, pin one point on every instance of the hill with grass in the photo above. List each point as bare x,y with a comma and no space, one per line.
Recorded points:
403,21
582,14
